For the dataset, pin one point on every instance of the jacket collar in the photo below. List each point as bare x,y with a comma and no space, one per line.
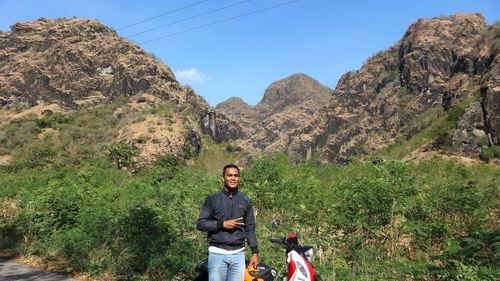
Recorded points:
226,192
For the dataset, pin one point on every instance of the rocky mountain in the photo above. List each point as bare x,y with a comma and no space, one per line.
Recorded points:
443,71
66,65
288,104
439,65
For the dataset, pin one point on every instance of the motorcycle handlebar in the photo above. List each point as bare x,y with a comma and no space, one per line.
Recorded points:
276,240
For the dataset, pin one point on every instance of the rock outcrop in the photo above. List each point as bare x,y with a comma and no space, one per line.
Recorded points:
491,112
77,63
73,64
469,136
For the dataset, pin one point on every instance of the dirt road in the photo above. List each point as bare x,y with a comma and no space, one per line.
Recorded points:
10,271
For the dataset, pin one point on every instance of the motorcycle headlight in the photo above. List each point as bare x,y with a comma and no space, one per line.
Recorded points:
309,255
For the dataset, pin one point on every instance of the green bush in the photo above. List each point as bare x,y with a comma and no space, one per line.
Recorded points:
34,155
162,110
122,154
53,120
166,167
456,112
141,235
443,135
490,153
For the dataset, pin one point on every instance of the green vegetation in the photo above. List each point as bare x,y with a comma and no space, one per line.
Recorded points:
162,110
369,220
424,129
491,152
53,121
211,160
122,154
60,139
433,128
65,197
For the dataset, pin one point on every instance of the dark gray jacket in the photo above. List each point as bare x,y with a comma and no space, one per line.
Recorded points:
221,206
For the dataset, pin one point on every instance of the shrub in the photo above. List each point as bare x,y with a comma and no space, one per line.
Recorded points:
377,219
122,154
443,135
456,112
166,167
141,235
162,110
490,153
53,120
35,155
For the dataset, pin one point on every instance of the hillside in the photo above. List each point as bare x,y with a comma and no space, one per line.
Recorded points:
64,66
436,65
443,74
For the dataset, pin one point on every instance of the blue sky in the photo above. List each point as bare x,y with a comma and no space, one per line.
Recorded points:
241,57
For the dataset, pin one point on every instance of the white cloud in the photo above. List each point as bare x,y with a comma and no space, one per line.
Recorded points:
192,75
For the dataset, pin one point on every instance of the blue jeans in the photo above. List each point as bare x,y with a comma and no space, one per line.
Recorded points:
226,267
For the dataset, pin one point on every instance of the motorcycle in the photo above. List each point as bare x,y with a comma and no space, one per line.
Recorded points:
299,258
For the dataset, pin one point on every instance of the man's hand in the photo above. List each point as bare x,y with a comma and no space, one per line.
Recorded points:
254,260
234,223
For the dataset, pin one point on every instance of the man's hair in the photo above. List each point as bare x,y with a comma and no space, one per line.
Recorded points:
230,166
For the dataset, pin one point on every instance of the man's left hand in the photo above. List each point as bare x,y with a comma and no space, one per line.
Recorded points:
254,260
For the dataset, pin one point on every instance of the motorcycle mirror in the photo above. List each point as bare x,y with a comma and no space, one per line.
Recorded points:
275,223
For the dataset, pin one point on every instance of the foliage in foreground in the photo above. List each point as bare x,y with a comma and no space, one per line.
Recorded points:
369,220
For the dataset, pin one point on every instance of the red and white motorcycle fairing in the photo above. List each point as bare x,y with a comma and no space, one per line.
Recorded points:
299,268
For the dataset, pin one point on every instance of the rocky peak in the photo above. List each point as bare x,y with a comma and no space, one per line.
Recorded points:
288,105
71,64
233,104
292,91
459,29
61,27
431,48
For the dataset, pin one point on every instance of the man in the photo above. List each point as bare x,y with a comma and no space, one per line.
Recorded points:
227,216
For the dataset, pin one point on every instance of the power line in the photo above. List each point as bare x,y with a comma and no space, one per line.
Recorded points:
188,18
220,21
160,15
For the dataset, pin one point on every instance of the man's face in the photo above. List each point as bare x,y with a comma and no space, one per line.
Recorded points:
231,178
